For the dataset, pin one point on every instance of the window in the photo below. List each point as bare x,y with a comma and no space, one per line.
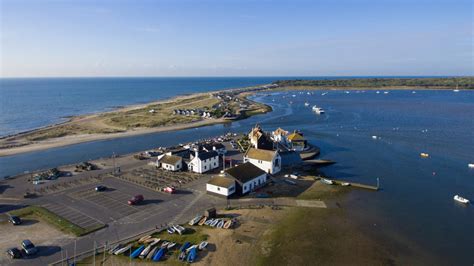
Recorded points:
218,189
259,161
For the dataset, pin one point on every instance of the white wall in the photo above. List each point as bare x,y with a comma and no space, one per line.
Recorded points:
254,183
199,166
266,166
171,167
220,190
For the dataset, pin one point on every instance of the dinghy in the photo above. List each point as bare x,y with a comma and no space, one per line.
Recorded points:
137,252
192,255
227,224
195,220
122,250
203,220
345,184
202,245
294,176
327,181
143,239
165,244
182,255
170,230
179,229
171,245
159,254
471,165
461,199
152,253
214,223
184,246
220,224
114,248
424,155
145,252
208,222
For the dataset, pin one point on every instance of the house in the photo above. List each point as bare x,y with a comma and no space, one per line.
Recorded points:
247,176
259,139
296,141
202,162
280,135
171,162
221,186
268,161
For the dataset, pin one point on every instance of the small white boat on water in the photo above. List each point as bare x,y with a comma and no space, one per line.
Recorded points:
456,90
461,199
294,176
377,92
202,245
306,104
424,155
385,92
318,110
327,181
374,137
470,165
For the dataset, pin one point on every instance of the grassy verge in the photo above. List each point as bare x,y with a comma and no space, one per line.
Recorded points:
55,220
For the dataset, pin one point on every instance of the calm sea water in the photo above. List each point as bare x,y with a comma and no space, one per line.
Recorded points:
416,202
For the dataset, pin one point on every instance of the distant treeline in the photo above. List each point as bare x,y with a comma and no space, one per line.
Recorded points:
461,82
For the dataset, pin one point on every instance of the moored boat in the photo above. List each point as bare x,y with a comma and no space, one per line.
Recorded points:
220,224
327,181
424,155
171,245
192,255
202,221
137,252
318,110
159,254
471,165
461,199
227,224
195,220
345,184
214,223
202,245
152,253
122,250
145,252
142,239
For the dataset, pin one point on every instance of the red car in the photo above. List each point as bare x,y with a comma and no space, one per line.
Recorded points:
135,200
170,190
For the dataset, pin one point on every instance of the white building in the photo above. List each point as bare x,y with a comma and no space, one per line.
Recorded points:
221,186
171,162
204,161
268,161
247,176
280,135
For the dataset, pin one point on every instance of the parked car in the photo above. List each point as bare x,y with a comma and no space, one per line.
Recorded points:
29,247
170,190
135,200
100,188
15,220
14,253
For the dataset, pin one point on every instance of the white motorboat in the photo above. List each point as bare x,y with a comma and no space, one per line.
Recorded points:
294,176
306,104
327,181
374,137
470,165
424,155
461,199
456,90
318,110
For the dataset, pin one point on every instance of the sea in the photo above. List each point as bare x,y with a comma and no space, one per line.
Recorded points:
370,135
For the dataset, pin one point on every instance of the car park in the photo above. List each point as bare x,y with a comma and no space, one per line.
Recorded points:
15,220
29,247
14,253
100,188
135,200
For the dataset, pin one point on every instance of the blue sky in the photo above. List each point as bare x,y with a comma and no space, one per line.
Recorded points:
236,38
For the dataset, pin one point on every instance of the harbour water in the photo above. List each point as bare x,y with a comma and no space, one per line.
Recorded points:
416,200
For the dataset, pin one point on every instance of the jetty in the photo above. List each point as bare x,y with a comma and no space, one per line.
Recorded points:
354,184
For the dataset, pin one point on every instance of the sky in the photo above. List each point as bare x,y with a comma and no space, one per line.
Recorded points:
74,38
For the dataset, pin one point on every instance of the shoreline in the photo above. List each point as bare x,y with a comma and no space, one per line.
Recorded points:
246,92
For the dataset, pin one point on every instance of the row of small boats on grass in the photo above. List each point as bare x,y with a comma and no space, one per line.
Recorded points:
212,222
152,250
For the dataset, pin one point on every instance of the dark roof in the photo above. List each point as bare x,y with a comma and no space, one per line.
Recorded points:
206,155
245,172
221,181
